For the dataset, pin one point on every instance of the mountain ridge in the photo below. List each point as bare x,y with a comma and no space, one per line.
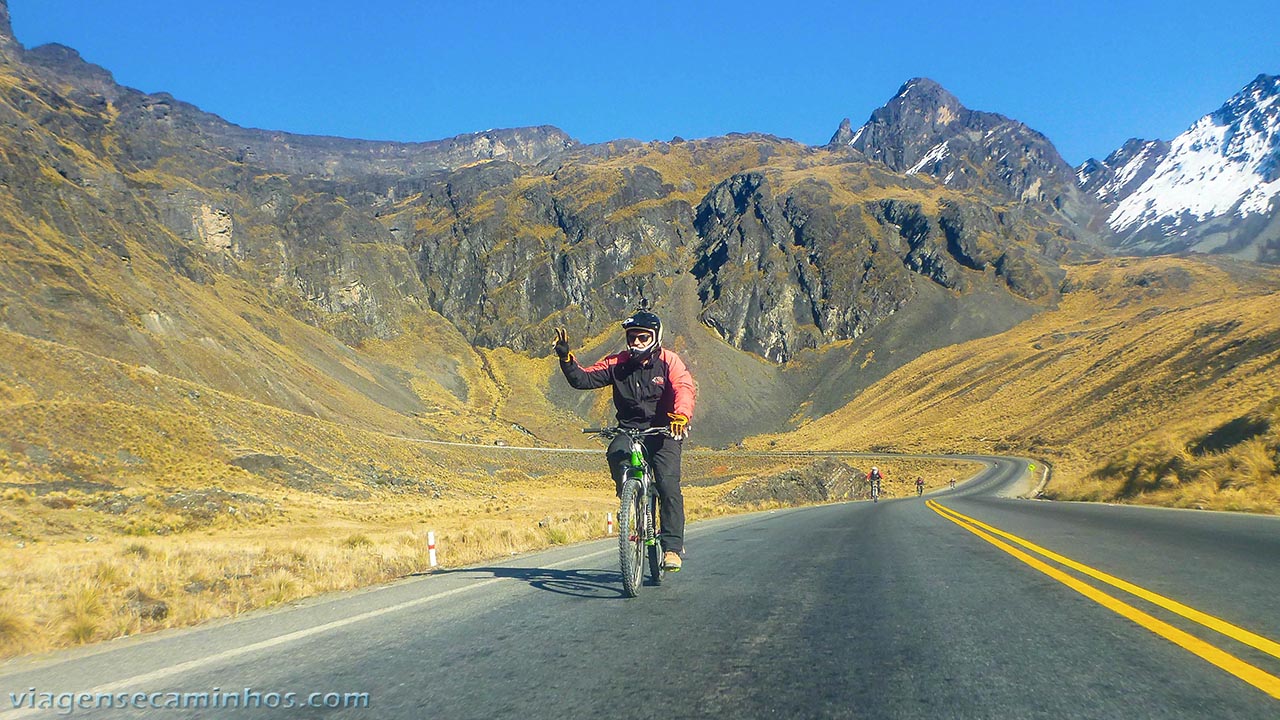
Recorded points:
334,249
796,254
318,156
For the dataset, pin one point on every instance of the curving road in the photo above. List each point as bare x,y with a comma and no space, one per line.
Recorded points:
959,605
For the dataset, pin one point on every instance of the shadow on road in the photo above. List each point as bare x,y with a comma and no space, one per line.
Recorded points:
598,584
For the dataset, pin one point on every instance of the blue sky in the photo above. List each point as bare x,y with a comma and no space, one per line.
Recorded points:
1089,75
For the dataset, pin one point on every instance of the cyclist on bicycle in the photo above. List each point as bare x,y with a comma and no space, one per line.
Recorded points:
919,485
651,388
874,476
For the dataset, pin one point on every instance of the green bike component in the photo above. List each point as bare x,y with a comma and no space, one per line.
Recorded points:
638,539
637,472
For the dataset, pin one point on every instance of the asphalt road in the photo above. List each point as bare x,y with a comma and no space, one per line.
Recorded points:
858,610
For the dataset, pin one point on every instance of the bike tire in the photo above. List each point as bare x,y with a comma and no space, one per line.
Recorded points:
655,551
631,538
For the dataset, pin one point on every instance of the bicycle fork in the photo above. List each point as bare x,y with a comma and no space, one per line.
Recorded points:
646,531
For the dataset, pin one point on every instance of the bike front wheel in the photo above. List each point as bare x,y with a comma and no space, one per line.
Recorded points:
631,537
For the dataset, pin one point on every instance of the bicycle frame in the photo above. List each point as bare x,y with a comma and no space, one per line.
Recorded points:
638,511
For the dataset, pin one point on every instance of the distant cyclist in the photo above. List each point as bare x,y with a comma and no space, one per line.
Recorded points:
874,478
919,485
651,388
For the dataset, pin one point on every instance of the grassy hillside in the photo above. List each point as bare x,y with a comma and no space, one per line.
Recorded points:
1155,381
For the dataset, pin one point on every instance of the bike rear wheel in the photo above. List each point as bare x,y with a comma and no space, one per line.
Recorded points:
631,537
655,550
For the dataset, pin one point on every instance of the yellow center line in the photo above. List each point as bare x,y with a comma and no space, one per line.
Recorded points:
1234,632
1255,676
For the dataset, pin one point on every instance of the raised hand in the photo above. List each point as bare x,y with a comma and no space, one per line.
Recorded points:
561,346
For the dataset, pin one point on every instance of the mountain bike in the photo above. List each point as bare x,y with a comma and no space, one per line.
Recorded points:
637,512
875,491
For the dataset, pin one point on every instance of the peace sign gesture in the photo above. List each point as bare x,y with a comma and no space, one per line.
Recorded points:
561,346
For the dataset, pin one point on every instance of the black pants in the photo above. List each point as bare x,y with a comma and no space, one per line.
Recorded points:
664,458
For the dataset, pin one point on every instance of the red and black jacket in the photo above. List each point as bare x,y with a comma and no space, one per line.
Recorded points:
643,391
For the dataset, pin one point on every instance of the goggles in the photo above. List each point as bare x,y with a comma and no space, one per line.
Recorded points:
639,336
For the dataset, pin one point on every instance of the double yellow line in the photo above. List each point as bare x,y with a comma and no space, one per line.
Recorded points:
1251,674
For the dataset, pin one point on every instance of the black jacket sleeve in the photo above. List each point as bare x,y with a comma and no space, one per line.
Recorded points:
594,376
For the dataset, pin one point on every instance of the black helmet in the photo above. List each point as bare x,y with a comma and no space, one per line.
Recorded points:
644,320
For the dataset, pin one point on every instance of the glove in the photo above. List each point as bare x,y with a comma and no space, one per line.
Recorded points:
562,345
679,423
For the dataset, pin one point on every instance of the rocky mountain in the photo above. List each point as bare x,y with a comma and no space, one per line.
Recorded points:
925,130
1212,189
372,282
788,264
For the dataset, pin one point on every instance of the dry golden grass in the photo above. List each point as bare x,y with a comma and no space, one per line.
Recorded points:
704,163
17,631
1142,356
1234,467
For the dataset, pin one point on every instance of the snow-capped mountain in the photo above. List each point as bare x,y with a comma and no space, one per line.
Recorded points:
1123,171
1213,188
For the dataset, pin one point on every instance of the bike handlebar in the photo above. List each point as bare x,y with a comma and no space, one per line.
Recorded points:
613,432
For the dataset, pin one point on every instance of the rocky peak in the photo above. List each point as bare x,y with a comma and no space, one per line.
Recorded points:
843,136
1256,99
908,126
926,100
925,130
67,63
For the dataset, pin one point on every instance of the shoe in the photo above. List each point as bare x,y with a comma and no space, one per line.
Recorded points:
671,561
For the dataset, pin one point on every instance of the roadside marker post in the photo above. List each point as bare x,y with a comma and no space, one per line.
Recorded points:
431,546
608,523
